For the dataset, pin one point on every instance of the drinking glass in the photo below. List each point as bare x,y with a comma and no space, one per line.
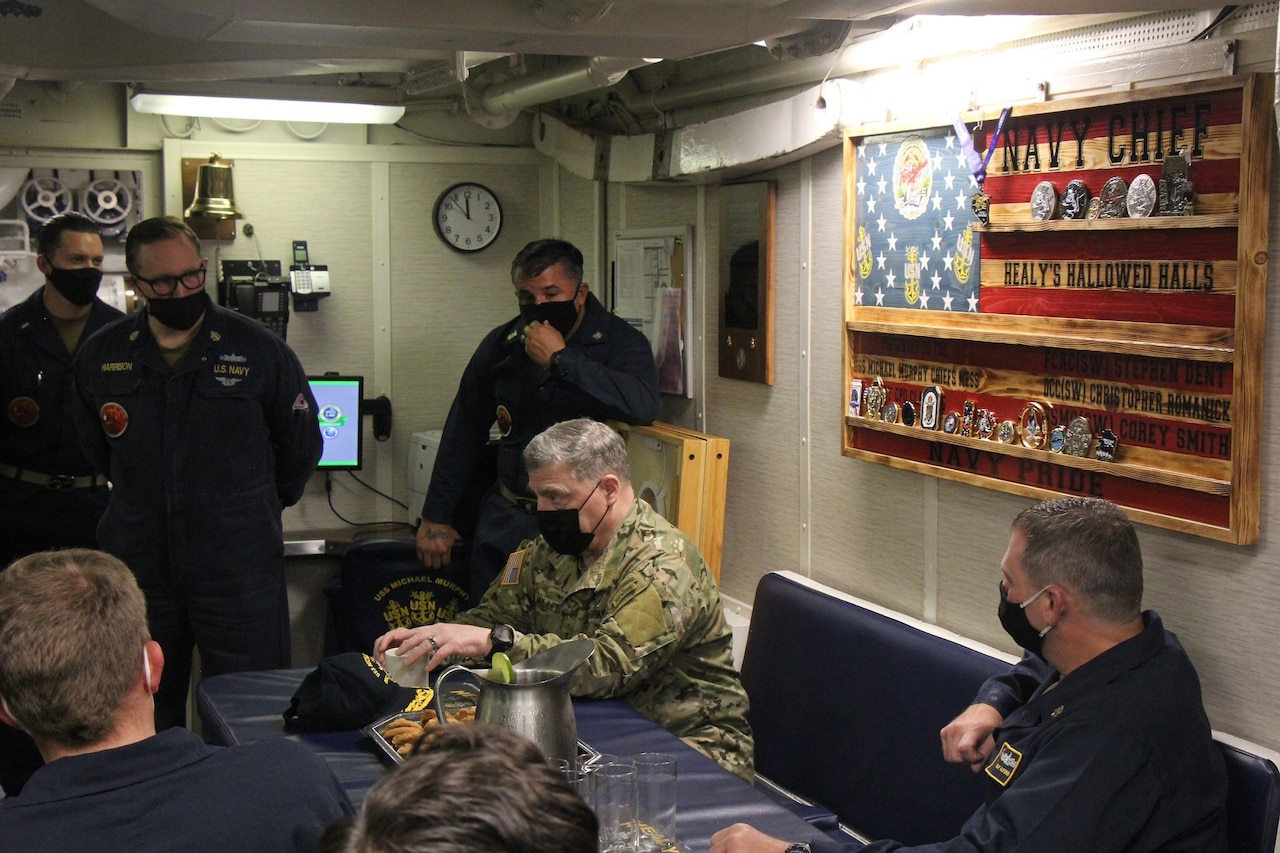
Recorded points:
615,803
655,800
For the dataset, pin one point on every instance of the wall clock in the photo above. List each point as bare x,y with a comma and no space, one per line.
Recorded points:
468,217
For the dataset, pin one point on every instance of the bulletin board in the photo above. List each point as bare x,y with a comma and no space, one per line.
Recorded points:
996,343
652,290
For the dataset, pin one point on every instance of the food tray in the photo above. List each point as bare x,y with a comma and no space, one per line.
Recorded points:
376,729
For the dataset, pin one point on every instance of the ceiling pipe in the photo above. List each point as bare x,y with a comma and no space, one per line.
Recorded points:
858,55
496,104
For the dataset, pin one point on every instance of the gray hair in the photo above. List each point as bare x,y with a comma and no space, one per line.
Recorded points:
590,448
1088,545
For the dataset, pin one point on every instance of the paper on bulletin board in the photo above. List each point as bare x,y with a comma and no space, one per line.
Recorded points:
650,294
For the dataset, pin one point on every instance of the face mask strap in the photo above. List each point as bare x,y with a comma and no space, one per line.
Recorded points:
4,703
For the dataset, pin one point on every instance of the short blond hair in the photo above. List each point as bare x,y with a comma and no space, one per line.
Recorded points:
73,624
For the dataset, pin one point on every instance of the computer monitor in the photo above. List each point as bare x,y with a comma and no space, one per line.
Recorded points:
338,408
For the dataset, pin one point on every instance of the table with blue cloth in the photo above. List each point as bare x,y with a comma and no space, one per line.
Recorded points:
245,707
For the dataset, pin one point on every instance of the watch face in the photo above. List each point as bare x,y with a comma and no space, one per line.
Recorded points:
468,217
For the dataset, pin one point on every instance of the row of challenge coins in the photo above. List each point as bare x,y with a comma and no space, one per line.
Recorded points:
1030,430
1174,196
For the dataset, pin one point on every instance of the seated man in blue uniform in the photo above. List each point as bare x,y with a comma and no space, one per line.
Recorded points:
443,798
78,671
1109,749
564,357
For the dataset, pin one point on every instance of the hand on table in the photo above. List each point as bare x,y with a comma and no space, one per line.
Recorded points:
434,543
967,738
433,644
743,838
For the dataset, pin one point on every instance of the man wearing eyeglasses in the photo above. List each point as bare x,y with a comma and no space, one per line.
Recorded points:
204,423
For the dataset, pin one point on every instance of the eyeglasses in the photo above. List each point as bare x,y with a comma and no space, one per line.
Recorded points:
166,284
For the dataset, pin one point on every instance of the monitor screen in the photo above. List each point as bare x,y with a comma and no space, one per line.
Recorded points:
338,408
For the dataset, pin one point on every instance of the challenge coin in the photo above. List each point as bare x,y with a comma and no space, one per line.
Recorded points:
1075,200
1141,198
1044,202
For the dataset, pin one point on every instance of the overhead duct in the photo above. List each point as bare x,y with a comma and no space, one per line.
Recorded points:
495,104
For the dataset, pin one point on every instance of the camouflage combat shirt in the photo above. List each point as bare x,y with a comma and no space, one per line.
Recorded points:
652,607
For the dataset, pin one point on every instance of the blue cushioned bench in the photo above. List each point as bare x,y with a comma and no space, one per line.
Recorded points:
848,698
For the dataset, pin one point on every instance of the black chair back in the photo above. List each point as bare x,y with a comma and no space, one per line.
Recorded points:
1253,800
383,586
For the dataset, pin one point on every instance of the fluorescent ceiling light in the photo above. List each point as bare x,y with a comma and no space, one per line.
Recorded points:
331,112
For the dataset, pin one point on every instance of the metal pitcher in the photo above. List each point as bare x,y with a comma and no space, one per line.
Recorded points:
537,705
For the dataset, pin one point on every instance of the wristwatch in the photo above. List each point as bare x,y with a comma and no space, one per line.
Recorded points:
502,637
799,847
555,360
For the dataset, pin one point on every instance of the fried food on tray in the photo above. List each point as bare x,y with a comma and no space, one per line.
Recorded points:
462,715
404,733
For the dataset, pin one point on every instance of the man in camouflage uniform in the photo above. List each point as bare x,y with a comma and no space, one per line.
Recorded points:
608,567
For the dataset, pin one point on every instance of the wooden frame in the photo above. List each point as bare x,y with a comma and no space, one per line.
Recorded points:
747,217
684,475
1165,350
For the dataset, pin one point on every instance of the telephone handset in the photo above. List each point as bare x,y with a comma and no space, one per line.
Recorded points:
312,281
307,279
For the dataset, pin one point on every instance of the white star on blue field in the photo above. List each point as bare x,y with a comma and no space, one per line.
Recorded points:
914,247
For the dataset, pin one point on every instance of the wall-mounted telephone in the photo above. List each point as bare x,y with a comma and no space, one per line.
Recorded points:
266,301
308,281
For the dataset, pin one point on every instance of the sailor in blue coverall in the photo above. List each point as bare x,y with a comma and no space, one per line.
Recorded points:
564,357
51,496
205,424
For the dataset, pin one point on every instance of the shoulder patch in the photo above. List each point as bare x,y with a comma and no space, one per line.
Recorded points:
300,404
511,571
1004,764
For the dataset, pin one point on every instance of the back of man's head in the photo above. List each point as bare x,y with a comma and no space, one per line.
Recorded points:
590,448
73,625
540,255
1088,545
474,788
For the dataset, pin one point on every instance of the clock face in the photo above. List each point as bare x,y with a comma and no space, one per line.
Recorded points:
468,217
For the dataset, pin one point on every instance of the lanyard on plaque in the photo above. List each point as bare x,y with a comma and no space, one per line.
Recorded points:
981,202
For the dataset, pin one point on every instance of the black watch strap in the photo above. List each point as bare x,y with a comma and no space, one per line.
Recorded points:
799,847
502,637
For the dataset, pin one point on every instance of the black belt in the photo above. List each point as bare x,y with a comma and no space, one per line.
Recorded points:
57,482
529,505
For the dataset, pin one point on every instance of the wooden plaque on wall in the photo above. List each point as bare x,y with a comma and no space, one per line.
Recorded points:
1143,331
748,214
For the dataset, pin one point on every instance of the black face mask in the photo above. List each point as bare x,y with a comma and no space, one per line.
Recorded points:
1013,617
563,530
561,315
179,312
78,286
